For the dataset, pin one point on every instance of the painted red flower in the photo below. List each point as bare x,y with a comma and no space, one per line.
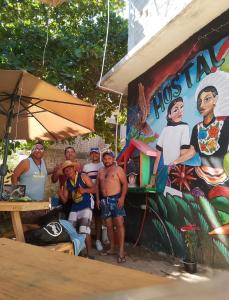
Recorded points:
189,227
182,176
203,147
213,131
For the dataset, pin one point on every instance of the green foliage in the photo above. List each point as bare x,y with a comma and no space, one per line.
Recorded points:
203,224
190,239
153,204
172,210
184,207
221,203
207,215
162,206
210,212
176,237
188,197
76,33
13,145
195,207
224,217
160,229
222,249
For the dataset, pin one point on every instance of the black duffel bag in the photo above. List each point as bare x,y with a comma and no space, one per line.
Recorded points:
51,233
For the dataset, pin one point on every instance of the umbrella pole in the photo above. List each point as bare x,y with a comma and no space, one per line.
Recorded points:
3,167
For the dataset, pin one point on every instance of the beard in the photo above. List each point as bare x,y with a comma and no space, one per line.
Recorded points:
108,164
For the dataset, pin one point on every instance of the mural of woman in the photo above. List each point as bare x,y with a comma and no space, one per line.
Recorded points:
173,140
210,139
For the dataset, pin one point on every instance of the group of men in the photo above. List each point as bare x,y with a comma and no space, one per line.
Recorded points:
97,189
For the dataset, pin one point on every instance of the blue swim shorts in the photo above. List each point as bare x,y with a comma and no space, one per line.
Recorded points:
109,208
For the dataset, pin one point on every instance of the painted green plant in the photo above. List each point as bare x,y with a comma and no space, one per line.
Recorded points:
190,239
176,211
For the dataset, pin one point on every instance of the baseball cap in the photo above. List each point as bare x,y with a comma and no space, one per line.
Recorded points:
108,152
94,149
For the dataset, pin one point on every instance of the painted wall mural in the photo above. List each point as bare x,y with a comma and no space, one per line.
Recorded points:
181,108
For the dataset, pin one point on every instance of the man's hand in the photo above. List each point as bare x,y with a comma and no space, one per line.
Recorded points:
172,166
58,169
82,190
120,203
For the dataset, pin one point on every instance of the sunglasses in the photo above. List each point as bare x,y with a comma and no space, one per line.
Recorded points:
38,149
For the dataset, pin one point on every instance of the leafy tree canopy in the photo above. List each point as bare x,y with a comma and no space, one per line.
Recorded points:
71,38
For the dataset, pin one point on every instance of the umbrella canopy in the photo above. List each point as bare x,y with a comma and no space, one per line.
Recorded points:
40,110
30,109
53,2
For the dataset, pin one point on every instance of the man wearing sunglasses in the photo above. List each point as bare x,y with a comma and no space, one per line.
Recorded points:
32,173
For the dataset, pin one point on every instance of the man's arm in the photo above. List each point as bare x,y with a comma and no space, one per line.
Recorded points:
97,186
63,194
90,185
56,173
21,168
124,185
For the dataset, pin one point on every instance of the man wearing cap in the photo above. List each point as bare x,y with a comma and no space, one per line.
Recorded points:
91,169
110,196
79,188
70,154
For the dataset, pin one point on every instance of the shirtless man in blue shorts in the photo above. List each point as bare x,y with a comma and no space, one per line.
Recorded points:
110,196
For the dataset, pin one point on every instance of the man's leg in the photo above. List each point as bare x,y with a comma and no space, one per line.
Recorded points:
119,223
88,244
110,231
84,221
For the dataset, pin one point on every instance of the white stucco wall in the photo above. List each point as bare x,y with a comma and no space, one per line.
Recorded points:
147,17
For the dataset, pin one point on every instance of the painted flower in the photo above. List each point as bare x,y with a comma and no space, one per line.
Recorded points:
203,147
190,239
189,227
182,177
213,131
212,144
202,134
197,192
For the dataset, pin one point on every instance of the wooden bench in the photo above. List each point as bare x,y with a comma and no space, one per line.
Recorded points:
62,247
15,208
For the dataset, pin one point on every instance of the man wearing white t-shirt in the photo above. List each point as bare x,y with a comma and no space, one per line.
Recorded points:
91,169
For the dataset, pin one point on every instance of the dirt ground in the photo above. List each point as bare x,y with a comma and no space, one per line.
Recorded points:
142,259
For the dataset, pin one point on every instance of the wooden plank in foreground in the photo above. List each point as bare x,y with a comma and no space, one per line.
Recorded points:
31,272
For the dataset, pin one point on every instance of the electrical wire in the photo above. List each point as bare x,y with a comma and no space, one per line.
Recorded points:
101,75
47,38
106,41
143,221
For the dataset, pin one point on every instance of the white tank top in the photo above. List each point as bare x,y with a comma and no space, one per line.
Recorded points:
34,180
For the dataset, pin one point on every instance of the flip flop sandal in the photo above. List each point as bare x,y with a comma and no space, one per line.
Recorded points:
121,259
105,253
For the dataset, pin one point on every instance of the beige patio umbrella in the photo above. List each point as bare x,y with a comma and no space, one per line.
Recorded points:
53,2
32,109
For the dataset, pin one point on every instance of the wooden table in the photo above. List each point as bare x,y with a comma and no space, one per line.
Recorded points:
31,272
15,208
